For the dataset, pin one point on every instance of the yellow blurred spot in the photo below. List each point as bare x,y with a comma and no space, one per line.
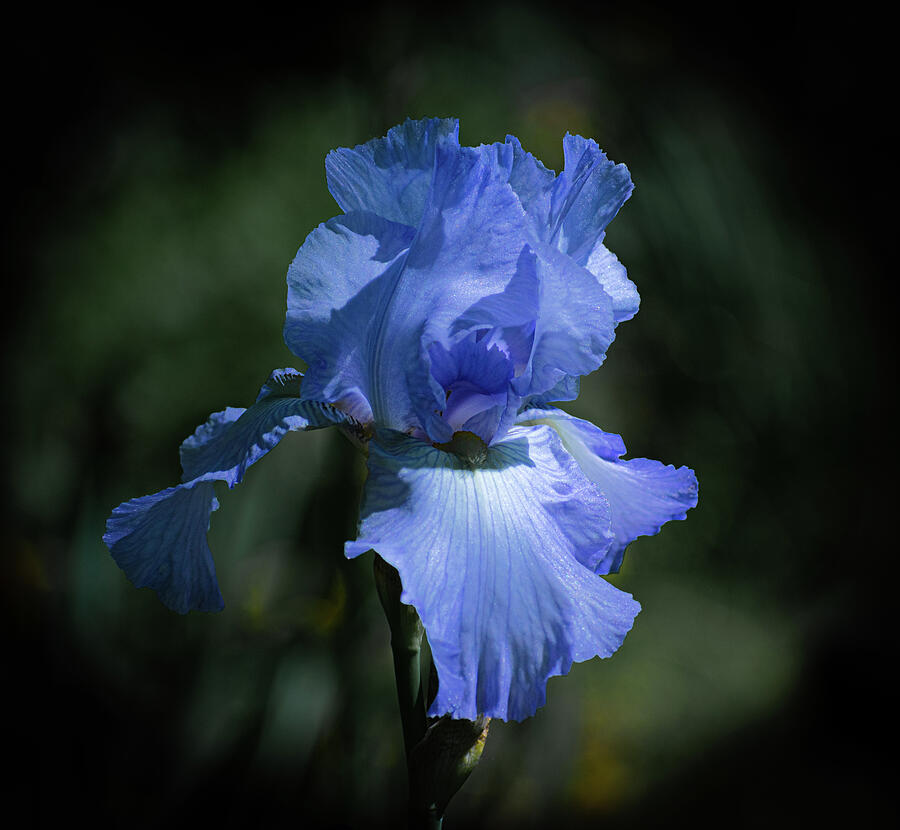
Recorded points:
23,578
551,112
266,607
255,607
30,571
601,780
324,614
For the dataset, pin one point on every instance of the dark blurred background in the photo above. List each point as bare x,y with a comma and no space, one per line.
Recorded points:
161,172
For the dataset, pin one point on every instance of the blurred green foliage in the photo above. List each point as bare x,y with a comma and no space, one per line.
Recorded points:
158,297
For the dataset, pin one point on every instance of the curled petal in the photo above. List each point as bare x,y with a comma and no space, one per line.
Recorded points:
494,554
643,494
612,276
567,315
571,211
585,197
575,327
160,540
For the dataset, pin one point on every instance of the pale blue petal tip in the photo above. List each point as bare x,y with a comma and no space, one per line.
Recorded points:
643,494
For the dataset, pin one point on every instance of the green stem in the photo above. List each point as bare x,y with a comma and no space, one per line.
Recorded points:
440,754
406,646
409,693
425,819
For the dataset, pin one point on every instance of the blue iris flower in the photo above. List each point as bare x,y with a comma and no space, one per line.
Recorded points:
461,292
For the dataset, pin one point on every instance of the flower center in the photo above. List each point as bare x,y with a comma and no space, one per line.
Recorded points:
474,374
467,446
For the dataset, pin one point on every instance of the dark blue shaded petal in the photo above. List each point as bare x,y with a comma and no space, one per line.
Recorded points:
160,543
495,556
160,540
643,494
390,176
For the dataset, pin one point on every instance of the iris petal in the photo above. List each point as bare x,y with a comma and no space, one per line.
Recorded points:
567,389
362,309
532,183
643,494
160,540
339,286
390,176
585,198
160,543
493,557
611,274
475,376
571,211
575,326
566,311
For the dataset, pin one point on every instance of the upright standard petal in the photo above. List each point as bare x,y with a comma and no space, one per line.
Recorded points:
585,197
390,176
533,183
643,494
363,309
571,211
339,287
160,540
569,317
492,552
469,242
